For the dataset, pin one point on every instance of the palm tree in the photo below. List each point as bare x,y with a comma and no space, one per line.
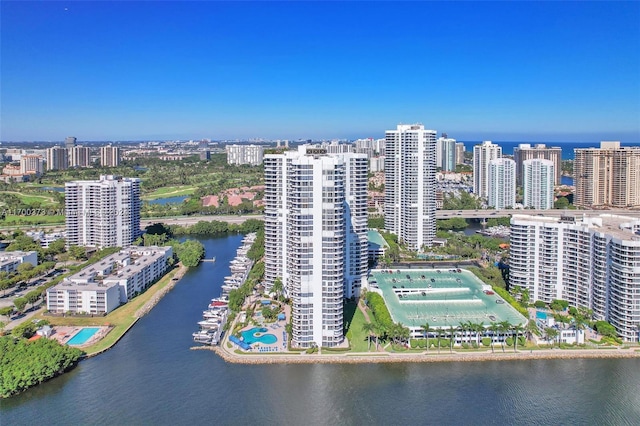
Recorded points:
277,287
579,322
378,330
480,329
494,327
552,334
452,333
427,329
517,329
404,333
531,328
505,326
368,328
464,328
392,332
439,333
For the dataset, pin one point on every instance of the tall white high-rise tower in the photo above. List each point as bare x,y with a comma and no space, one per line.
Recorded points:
446,153
502,183
103,213
410,185
316,236
482,155
537,181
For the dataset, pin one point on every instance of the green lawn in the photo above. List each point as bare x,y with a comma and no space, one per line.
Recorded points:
29,199
170,191
32,220
357,337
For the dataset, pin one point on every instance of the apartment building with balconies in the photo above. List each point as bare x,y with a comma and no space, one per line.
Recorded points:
316,236
410,185
592,262
104,212
101,287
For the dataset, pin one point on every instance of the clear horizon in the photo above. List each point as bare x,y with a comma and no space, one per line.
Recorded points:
500,71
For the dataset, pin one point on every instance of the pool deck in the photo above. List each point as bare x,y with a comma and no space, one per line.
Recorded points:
276,329
65,333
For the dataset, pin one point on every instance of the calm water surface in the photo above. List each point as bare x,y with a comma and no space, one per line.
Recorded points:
167,200
152,378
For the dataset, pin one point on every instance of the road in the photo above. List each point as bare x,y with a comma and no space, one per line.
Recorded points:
192,220
488,214
440,214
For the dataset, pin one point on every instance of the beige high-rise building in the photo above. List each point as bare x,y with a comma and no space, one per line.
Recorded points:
539,151
608,176
459,152
110,156
57,158
79,156
32,164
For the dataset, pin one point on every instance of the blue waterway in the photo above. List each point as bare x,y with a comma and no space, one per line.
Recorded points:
567,147
151,377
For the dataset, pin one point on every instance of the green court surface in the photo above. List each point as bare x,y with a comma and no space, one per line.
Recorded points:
442,298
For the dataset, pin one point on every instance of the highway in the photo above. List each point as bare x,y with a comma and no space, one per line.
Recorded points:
192,220
440,214
488,214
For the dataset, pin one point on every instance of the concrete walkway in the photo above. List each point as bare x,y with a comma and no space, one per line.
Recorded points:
386,357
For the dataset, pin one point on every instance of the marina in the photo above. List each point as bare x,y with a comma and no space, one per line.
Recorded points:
214,318
499,231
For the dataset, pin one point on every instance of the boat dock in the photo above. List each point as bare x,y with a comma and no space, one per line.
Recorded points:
215,317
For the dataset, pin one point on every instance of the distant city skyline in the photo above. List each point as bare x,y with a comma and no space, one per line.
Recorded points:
501,71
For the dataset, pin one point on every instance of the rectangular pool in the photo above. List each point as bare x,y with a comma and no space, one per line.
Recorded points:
81,337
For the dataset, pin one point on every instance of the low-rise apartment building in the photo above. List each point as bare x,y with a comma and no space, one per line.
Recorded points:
103,286
9,260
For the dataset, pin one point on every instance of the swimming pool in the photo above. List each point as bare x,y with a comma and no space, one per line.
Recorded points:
256,335
81,337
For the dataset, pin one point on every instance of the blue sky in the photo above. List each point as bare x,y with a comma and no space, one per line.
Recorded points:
529,71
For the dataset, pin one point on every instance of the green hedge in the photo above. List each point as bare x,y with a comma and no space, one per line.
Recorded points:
513,302
486,341
337,350
418,343
379,309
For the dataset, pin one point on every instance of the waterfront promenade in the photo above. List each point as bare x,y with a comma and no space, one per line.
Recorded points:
229,355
